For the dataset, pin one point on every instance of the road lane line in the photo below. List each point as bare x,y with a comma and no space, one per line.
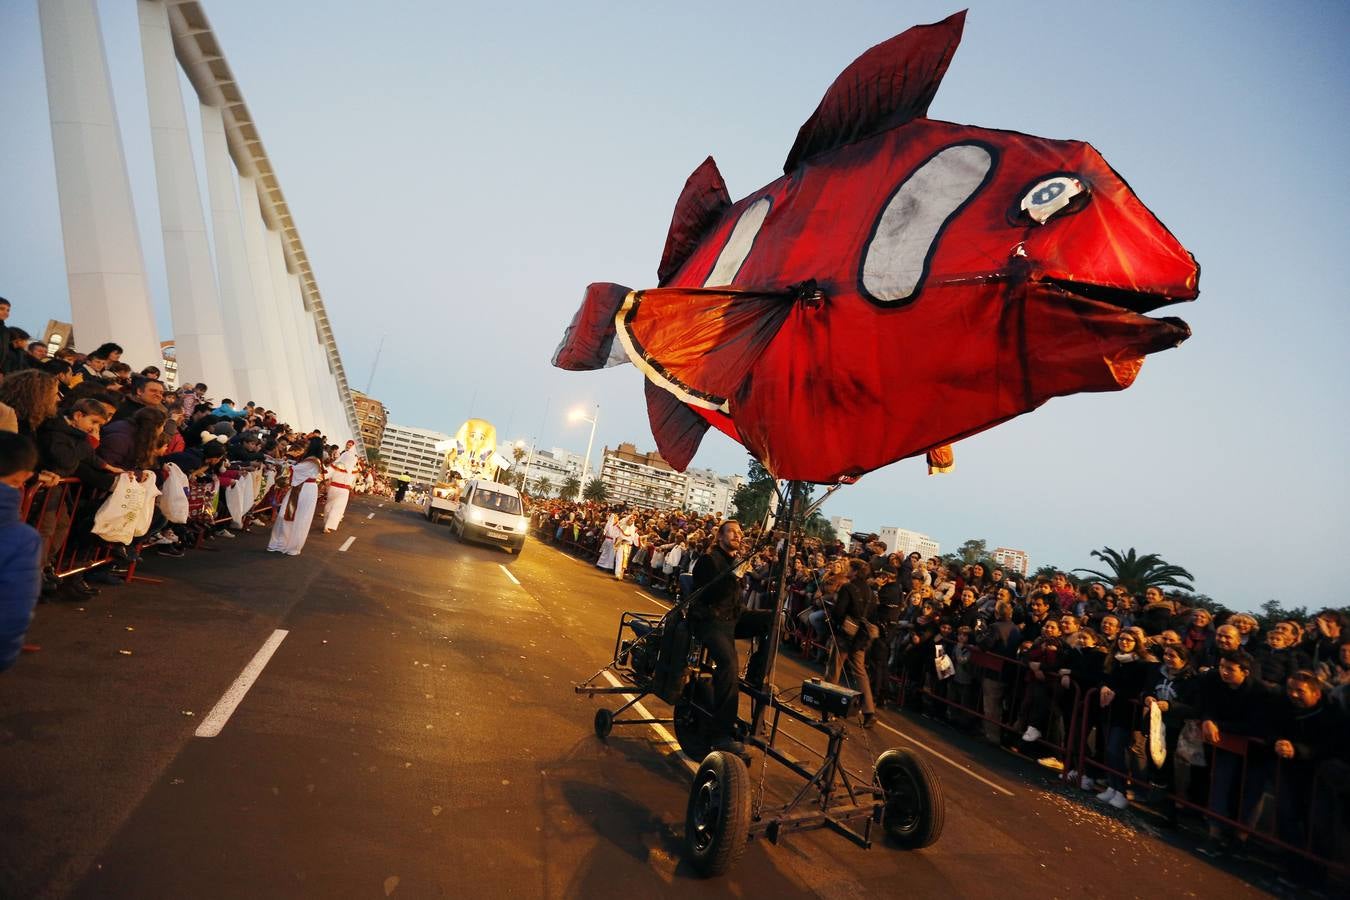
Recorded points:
234,694
651,598
947,759
661,731
346,544
509,575
371,516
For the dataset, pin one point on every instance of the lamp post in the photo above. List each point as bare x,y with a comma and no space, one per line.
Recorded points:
579,415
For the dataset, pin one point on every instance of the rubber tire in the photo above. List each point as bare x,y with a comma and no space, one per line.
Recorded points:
604,723
907,783
693,729
723,784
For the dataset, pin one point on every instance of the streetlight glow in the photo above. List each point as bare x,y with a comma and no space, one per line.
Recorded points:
579,415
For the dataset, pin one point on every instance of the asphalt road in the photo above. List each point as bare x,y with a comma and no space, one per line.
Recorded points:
415,734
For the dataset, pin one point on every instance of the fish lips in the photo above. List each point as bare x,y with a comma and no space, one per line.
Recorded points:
1092,339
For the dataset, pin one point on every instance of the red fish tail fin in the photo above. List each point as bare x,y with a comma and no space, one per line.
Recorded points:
588,343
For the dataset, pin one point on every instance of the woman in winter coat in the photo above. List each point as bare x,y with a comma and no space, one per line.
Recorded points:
133,443
1125,676
855,607
1172,689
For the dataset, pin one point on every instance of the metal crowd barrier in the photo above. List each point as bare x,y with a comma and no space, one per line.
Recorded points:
63,515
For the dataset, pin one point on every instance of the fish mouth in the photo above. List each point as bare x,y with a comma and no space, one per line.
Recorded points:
1140,302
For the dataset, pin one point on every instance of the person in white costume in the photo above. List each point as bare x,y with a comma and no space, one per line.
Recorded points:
342,479
291,527
606,560
623,545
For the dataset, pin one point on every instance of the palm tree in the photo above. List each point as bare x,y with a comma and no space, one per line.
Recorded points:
1136,573
543,486
596,491
571,486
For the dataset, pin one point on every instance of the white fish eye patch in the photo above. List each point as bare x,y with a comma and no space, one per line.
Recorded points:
900,249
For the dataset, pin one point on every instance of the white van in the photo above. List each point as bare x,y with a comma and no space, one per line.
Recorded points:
492,513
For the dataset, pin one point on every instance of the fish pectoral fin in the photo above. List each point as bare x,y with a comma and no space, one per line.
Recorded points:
887,86
700,343
702,202
677,428
588,343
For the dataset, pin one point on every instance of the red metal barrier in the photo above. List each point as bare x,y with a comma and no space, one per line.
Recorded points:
59,514
1238,745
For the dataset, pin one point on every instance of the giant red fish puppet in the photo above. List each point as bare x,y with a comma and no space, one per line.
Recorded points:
906,283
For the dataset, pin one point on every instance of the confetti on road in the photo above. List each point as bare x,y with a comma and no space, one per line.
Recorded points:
390,885
435,810
124,652
187,712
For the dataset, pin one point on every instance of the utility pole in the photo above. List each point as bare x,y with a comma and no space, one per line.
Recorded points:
371,379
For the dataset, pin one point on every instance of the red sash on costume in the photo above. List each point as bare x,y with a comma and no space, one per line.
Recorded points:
293,499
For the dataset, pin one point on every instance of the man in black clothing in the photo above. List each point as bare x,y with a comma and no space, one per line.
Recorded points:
144,392
717,618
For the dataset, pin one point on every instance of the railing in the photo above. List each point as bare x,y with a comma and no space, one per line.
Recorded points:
63,515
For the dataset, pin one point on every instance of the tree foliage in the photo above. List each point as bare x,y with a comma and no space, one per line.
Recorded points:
571,486
1137,572
542,486
596,491
752,498
974,550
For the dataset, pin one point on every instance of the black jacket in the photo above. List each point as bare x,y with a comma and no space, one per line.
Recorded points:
65,450
720,602
1316,733
857,601
1244,710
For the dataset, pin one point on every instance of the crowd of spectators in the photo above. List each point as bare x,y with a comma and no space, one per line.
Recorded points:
71,423
1041,665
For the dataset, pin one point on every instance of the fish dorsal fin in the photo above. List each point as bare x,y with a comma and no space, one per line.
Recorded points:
887,86
677,428
701,204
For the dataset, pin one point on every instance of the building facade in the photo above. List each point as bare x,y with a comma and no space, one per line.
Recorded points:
708,493
372,418
904,541
843,528
640,479
1012,560
555,464
415,452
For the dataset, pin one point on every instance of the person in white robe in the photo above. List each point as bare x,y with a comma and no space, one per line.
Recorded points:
623,545
342,480
606,560
296,514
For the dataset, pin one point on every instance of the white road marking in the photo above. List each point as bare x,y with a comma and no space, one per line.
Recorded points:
964,768
371,516
234,695
661,731
346,544
509,575
651,598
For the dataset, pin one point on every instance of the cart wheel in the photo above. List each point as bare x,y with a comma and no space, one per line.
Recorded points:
717,823
914,808
604,723
693,722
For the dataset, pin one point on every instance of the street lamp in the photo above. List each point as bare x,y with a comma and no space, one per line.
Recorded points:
579,415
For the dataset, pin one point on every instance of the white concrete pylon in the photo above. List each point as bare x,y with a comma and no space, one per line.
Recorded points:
194,298
279,395
308,341
281,293
238,300
105,268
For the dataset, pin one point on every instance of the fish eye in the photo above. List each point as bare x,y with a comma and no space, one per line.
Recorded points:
1050,195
